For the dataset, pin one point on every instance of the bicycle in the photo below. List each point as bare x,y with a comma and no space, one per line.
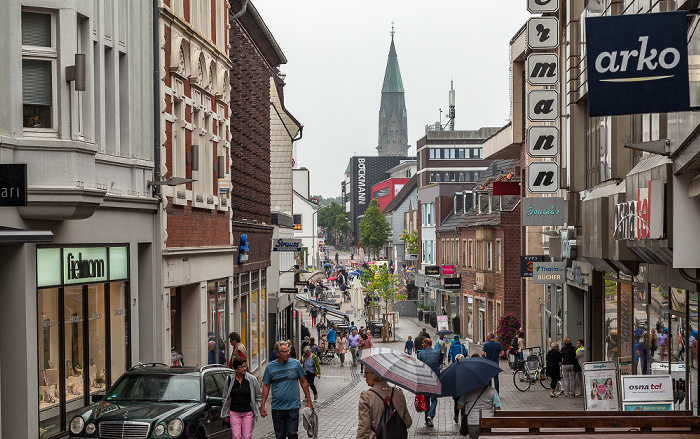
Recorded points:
529,372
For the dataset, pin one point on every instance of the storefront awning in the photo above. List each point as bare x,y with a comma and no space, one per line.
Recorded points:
324,308
9,235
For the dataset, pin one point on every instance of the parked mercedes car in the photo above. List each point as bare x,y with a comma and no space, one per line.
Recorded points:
153,401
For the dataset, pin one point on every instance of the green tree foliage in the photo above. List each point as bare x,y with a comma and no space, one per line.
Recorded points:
385,285
411,241
327,216
341,223
374,228
325,202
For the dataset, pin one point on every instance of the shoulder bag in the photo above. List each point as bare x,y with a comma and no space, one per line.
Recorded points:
464,426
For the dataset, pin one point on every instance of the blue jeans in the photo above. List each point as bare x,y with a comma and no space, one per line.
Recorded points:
495,384
286,423
432,407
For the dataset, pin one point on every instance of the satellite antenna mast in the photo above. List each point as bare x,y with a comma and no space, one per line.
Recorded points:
451,111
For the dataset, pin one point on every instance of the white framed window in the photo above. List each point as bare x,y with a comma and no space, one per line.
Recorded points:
39,82
497,255
466,254
489,255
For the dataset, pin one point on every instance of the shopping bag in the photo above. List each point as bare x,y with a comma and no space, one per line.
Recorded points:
421,403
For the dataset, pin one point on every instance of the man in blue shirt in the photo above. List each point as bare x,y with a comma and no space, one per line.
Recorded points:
492,351
215,356
330,337
431,358
282,376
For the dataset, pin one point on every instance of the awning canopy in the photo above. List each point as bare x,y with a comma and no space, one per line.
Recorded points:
9,235
324,308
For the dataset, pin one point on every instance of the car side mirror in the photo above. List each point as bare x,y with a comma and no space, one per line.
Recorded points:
96,398
215,401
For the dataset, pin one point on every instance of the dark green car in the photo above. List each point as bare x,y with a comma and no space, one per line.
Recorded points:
154,401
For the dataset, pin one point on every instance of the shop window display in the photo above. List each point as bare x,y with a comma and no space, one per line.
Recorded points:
118,329
96,369
48,361
611,336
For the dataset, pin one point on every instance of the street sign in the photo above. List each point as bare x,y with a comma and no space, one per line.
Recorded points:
542,69
543,141
543,177
543,33
13,185
542,6
543,105
526,263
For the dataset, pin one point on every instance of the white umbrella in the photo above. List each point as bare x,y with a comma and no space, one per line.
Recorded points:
356,297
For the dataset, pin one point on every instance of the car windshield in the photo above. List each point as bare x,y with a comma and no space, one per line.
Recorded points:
152,387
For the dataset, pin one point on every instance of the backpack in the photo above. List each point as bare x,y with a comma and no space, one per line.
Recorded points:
390,423
514,346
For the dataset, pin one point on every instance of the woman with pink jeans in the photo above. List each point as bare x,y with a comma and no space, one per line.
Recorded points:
241,400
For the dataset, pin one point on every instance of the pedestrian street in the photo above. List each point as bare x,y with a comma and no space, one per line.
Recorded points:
340,387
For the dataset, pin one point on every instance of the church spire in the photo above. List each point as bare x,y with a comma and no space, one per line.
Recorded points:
393,130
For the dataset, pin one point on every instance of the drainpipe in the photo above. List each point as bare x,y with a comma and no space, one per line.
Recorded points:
156,95
239,13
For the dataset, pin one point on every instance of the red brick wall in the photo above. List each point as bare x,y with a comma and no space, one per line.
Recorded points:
513,289
188,227
250,130
186,10
213,21
166,55
259,238
166,3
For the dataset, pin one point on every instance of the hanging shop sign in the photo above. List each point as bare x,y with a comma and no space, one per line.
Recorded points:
225,184
637,63
543,141
527,263
642,218
13,185
577,276
600,390
543,32
549,272
452,283
543,105
506,188
545,211
432,270
286,245
448,269
542,6
568,243
77,265
542,69
442,324
543,177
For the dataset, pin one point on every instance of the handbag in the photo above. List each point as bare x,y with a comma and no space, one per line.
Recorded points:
464,426
421,403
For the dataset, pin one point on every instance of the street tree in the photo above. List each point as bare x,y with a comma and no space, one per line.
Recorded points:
411,241
387,287
374,228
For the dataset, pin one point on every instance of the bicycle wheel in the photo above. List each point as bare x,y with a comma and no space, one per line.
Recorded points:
521,379
544,379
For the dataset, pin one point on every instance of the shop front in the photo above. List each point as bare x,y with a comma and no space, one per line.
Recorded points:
83,328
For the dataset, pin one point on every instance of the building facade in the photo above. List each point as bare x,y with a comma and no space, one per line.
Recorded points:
80,262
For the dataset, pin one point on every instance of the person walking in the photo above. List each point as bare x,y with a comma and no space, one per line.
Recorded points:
341,347
365,343
458,412
418,344
239,350
305,331
444,347
481,401
281,378
456,348
580,359
408,347
553,366
371,406
330,337
241,400
214,355
568,358
354,344
314,314
492,351
312,369
431,358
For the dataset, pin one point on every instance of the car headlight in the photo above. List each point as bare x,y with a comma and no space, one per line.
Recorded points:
90,428
76,425
175,427
159,430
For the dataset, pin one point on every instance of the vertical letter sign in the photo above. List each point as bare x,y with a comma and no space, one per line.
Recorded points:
637,63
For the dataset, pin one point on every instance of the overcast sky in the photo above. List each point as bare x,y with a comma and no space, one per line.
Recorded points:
337,53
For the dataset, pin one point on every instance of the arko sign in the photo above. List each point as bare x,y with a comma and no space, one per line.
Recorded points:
637,63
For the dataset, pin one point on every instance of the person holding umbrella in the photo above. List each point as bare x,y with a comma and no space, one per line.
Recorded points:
482,400
431,358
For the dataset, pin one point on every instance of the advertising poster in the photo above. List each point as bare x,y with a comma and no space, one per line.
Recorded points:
641,407
600,390
442,323
647,388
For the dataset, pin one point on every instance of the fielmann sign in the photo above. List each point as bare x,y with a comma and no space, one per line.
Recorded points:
637,64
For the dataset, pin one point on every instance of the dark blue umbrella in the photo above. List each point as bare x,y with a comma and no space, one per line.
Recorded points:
444,332
467,374
327,264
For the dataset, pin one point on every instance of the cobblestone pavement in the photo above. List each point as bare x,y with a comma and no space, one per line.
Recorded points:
340,386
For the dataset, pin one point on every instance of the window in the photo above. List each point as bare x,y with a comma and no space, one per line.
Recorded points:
471,253
497,255
297,222
381,193
432,153
465,255
38,70
489,255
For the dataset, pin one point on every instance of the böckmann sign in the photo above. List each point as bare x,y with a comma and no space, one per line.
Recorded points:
637,64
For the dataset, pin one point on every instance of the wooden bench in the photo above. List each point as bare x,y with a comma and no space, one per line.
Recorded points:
513,424
326,355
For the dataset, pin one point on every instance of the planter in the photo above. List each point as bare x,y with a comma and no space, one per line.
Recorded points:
420,314
426,317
